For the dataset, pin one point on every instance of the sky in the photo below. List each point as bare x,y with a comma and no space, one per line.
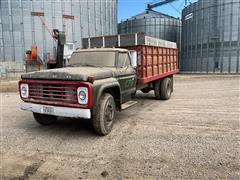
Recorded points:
129,8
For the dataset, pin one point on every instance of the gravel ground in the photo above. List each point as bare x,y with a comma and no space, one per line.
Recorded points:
193,135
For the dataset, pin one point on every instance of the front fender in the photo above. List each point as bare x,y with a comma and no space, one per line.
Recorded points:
99,86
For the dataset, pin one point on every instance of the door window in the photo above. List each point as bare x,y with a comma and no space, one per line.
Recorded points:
123,59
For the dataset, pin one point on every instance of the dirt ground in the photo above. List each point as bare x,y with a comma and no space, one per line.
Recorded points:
9,85
194,135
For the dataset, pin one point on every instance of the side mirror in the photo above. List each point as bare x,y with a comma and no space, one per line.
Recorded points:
133,58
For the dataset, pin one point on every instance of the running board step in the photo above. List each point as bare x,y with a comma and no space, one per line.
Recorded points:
128,104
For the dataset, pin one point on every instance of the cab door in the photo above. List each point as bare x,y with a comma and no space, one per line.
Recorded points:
126,75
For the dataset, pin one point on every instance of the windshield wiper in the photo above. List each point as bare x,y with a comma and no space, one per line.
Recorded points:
90,65
74,65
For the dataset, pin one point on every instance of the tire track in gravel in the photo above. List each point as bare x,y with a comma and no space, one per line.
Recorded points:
125,129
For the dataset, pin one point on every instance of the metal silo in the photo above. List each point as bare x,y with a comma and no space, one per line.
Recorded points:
22,24
153,24
211,37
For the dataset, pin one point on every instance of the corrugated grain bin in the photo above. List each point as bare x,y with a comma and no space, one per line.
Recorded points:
21,25
154,24
211,37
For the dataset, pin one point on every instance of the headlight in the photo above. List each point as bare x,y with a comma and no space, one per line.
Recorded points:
24,90
82,93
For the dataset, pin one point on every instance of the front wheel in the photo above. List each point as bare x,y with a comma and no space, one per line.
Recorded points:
103,120
44,119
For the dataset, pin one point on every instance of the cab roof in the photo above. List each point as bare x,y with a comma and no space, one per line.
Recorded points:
102,49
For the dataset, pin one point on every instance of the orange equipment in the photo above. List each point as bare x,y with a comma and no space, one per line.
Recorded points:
32,54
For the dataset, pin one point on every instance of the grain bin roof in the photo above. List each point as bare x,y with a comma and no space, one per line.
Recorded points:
150,14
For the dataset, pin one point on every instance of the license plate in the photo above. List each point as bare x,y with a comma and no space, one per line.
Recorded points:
48,110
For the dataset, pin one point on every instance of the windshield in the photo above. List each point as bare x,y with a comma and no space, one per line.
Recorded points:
93,58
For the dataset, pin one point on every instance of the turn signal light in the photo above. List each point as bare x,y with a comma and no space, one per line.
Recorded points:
91,79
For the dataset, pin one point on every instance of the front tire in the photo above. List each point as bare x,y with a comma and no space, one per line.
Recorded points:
104,119
44,119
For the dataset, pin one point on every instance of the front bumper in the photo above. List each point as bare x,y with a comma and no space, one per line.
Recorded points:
57,111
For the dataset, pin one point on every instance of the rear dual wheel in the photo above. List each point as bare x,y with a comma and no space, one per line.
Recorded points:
163,89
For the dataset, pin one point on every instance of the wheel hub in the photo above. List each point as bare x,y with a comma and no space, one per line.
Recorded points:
109,113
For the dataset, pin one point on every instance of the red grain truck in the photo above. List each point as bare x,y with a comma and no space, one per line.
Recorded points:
97,82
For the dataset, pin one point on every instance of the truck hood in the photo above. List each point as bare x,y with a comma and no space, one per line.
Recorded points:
71,73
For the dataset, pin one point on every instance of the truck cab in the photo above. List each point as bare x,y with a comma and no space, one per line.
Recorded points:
94,84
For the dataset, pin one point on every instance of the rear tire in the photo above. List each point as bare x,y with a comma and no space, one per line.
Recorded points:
104,119
166,89
157,89
44,119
